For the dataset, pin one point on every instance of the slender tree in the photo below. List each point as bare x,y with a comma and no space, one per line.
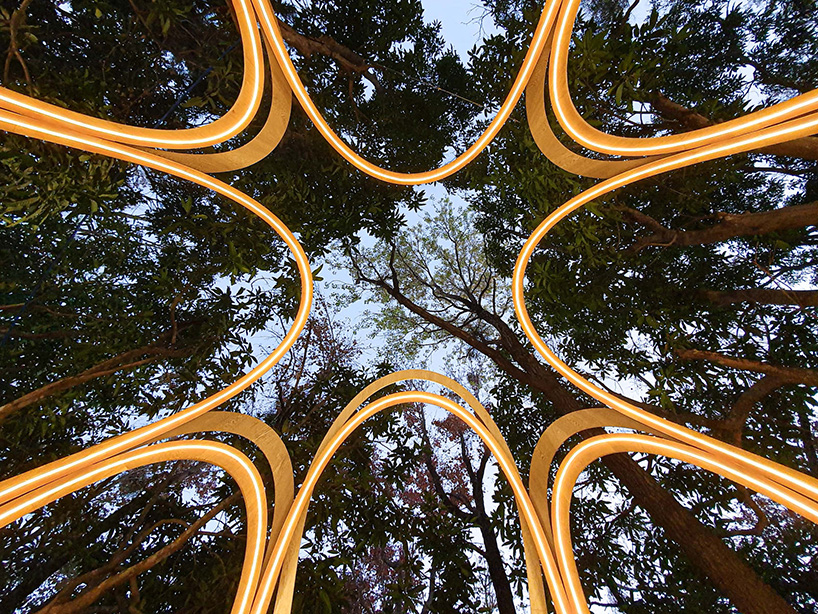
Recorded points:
436,283
127,294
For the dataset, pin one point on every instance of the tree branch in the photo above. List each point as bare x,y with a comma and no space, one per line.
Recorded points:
16,20
787,375
767,296
805,147
499,359
56,334
724,567
92,594
437,483
347,59
734,225
122,362
733,425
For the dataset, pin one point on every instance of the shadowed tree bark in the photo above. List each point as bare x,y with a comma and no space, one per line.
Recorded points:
789,375
728,226
769,296
476,515
122,362
703,548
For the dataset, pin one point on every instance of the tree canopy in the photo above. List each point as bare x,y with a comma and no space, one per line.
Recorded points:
128,294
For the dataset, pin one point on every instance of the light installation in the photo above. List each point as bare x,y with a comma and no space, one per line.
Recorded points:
271,557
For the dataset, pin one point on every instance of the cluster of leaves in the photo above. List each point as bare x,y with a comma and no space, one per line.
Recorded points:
139,293
628,287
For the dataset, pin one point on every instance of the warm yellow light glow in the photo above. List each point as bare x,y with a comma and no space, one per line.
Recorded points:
588,136
504,460
271,31
792,129
232,461
38,129
270,563
596,447
224,128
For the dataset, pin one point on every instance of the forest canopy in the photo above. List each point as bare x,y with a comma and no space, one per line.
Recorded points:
128,294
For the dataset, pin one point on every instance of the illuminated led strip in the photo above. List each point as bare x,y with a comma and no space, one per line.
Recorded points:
555,24
261,145
269,25
596,447
546,535
503,458
551,146
588,136
232,461
38,129
792,129
265,439
218,131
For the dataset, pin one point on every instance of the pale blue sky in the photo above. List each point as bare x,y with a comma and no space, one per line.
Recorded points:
461,22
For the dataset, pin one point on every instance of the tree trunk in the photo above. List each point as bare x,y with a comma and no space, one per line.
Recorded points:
731,225
497,571
706,552
768,296
726,570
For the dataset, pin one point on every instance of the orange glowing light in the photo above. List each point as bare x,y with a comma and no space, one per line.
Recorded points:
271,556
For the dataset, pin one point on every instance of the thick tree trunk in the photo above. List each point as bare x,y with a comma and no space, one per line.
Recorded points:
726,570
768,296
706,552
731,225
497,571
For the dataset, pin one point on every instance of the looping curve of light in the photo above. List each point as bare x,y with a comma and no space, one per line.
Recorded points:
271,555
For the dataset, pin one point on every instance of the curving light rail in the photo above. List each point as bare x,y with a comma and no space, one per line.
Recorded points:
272,548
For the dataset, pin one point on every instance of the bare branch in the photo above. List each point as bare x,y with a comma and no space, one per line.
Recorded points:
122,362
347,59
92,594
768,296
17,19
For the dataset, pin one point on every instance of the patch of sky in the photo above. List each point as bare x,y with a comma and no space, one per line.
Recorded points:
464,23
